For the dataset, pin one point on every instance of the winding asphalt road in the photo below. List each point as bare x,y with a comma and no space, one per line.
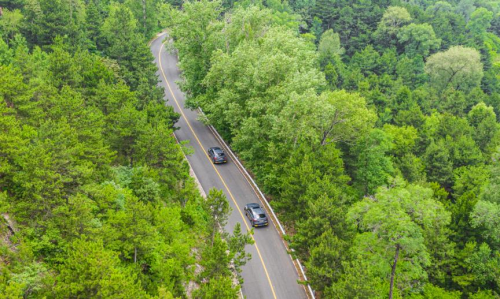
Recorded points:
270,273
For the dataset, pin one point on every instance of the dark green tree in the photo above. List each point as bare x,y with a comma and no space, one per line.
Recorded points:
438,165
91,271
373,167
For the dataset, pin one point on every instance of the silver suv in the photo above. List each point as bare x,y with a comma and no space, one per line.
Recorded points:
256,214
217,155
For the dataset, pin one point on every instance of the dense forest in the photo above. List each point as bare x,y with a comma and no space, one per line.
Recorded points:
372,125
96,200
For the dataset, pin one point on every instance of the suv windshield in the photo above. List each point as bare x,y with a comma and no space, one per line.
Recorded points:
262,215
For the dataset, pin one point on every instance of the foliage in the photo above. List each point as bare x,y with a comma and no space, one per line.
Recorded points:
405,90
331,104
458,67
95,193
396,220
392,21
373,167
418,39
329,44
92,272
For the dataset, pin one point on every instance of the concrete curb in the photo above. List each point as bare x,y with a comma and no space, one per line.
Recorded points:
298,266
193,174
263,199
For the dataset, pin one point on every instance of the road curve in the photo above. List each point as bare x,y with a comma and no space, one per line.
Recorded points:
270,273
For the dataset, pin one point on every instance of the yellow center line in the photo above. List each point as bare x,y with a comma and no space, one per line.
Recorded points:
206,155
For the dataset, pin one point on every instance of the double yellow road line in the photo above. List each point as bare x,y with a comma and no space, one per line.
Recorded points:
217,171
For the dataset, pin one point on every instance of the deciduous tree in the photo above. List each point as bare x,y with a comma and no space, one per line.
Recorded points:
392,225
458,67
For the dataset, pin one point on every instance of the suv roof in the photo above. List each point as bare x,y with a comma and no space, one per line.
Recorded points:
258,211
217,149
253,206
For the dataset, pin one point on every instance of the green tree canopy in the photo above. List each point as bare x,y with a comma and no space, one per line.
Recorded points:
392,227
418,39
458,67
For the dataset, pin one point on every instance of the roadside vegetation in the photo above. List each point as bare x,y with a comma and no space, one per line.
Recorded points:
96,200
372,126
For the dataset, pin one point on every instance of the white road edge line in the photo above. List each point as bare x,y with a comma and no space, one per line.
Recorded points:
191,171
263,198
222,180
248,177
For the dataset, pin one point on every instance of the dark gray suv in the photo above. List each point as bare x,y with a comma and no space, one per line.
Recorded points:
217,155
256,214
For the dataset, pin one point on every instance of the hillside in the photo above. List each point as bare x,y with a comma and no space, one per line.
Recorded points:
96,200
373,128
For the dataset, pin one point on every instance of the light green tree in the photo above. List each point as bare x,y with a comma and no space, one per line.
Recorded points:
458,67
5,53
130,231
191,29
10,23
343,117
329,45
394,18
418,39
434,292
484,264
332,117
491,192
11,140
392,227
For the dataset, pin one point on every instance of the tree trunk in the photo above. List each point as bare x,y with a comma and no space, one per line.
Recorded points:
135,254
394,270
